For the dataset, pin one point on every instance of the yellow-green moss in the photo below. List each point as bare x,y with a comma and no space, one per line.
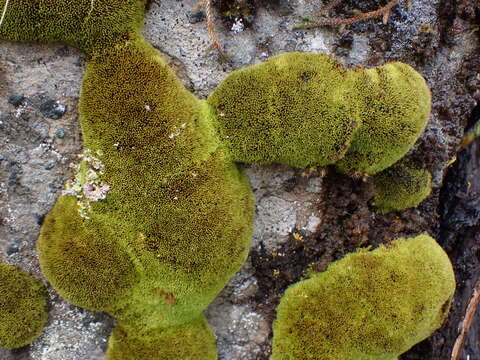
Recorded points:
291,109
176,223
367,306
394,106
85,24
23,307
401,186
305,109
193,341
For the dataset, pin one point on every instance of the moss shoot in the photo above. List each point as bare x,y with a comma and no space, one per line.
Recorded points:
23,307
367,306
401,186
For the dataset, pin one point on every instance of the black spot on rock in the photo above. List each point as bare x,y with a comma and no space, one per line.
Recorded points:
16,100
53,109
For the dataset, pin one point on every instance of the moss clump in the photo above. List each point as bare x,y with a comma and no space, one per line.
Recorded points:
85,24
23,304
401,186
172,242
305,109
289,110
367,306
193,341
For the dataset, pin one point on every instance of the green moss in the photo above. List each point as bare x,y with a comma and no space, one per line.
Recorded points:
401,186
394,106
73,258
305,109
157,250
367,306
23,305
289,110
193,341
85,24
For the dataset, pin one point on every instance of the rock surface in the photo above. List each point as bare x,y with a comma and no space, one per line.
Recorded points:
305,218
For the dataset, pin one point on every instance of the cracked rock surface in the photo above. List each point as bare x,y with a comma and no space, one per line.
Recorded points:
306,218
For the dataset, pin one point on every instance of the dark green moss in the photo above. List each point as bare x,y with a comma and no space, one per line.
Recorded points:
401,186
172,242
23,304
367,306
305,109
85,24
193,341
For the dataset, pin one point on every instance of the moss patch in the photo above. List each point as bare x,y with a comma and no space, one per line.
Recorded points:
367,306
401,186
156,251
88,25
305,109
23,304
193,341
288,110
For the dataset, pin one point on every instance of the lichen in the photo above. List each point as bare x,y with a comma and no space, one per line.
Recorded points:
86,184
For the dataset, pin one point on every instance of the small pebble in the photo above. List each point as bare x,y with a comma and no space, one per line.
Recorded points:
53,109
24,117
2,157
12,250
49,165
16,100
195,17
39,219
60,133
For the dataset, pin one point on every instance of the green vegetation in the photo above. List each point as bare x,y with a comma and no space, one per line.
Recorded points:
305,109
401,186
23,307
172,242
367,306
193,341
158,217
86,24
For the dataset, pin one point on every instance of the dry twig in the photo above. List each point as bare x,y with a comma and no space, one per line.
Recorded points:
212,32
467,322
384,11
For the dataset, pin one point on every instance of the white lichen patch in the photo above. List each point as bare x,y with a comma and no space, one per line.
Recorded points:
238,26
87,185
